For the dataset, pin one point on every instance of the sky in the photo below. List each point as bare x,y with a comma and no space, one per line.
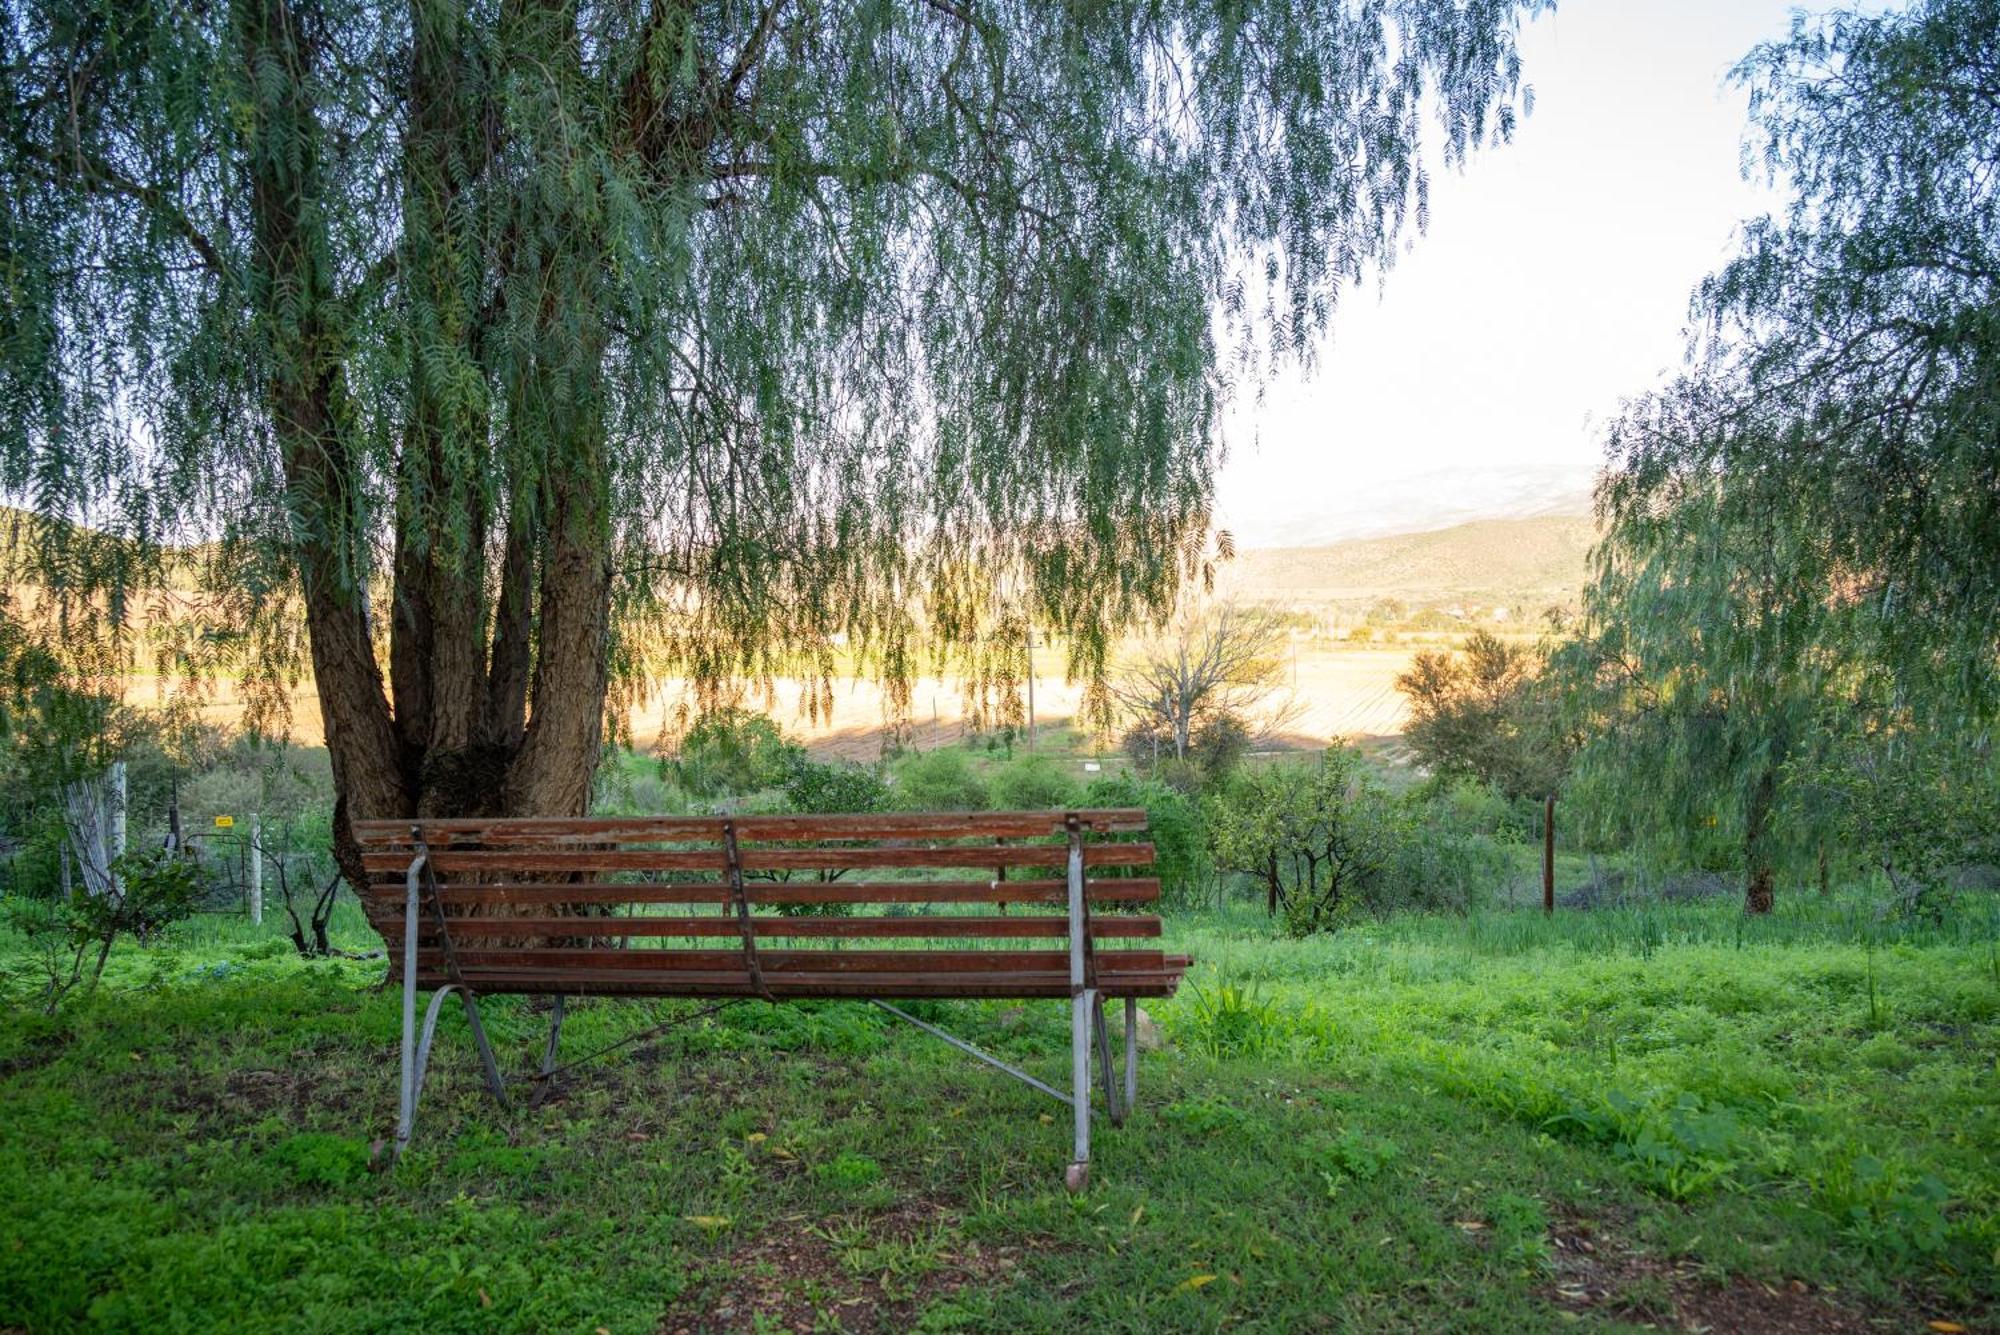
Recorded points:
1552,283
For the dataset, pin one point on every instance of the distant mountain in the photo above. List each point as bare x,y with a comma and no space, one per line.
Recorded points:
1419,503
1522,564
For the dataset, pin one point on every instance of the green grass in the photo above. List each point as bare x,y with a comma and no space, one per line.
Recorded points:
1497,1122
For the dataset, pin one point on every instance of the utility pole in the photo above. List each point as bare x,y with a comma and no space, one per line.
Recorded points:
1031,688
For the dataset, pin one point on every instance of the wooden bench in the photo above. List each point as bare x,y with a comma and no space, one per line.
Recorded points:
1017,904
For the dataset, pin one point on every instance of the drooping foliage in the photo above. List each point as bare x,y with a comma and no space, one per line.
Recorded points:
1803,550
483,357
1848,391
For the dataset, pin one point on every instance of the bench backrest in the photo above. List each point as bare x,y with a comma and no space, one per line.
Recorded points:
895,905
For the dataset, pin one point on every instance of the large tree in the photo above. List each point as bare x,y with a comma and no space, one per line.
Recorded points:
1803,531
1846,384
479,356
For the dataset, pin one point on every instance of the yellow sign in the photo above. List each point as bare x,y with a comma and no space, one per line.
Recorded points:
225,822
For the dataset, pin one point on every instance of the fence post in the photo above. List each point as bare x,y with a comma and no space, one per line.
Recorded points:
1549,854
256,868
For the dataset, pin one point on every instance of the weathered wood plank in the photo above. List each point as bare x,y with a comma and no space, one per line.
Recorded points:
749,829
1133,890
446,862
1044,926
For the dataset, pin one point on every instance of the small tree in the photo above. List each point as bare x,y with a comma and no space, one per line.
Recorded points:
1694,684
1486,713
1312,835
731,751
1916,804
1213,669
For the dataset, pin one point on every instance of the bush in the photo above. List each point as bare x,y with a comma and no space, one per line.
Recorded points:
1032,783
941,780
1326,842
1218,746
1215,748
71,934
813,788
1174,824
731,751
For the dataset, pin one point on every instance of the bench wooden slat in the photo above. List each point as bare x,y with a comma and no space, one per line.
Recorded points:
1127,890
680,924
749,829
913,986
447,862
775,962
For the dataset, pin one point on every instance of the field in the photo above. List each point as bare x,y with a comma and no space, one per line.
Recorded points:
1343,660
1617,1118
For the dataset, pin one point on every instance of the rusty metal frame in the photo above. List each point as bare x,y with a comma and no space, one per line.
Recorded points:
741,898
972,1051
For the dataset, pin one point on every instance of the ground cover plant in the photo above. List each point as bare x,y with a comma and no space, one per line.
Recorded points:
1628,1117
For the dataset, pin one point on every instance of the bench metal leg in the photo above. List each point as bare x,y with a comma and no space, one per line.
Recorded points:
416,1055
545,1084
1102,1036
1131,1054
1081,1006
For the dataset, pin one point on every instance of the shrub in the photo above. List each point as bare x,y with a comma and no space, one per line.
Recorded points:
1174,825
941,780
1216,746
1327,841
813,788
1033,782
71,933
731,751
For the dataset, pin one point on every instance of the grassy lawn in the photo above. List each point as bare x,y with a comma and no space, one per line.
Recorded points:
1613,1120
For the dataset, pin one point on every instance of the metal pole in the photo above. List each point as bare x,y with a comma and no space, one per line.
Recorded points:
1131,1054
1549,854
1101,1036
406,1112
971,1051
1031,688
1082,1001
256,868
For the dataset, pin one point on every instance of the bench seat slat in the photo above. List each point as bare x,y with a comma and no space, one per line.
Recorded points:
775,962
916,986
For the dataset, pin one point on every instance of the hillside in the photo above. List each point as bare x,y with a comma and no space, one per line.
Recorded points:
1525,564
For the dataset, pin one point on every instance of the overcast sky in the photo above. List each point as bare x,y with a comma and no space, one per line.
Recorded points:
1553,281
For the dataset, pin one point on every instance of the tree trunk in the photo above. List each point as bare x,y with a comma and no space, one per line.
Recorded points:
458,737
1758,889
305,397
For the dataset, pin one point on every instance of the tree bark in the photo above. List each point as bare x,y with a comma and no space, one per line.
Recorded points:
305,396
1759,892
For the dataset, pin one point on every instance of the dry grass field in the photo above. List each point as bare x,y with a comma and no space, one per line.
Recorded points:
1364,608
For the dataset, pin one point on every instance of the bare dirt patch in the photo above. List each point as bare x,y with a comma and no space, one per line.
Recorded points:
875,1274
1597,1274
